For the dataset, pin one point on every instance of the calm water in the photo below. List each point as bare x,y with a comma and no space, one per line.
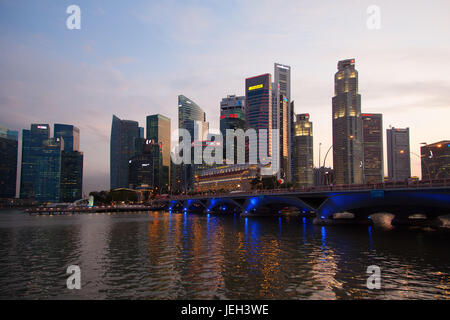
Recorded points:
172,256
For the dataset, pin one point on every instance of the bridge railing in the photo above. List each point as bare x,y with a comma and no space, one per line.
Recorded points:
351,187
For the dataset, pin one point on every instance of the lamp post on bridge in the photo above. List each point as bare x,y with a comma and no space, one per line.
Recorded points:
325,159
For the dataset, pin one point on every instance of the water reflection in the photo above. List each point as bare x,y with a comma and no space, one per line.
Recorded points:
158,255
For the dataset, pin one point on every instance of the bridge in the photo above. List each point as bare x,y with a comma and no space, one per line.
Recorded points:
344,204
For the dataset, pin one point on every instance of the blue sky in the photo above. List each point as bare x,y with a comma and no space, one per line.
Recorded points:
133,58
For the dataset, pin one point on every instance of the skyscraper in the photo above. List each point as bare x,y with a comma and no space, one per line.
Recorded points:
281,86
373,147
232,113
145,164
436,160
284,121
71,181
189,110
47,187
303,174
192,118
232,117
8,163
348,155
258,106
32,142
285,138
398,154
70,135
123,135
158,131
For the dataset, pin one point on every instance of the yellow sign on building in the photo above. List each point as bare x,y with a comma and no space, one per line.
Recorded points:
258,86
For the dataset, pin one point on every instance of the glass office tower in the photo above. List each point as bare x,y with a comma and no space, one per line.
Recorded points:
281,87
232,117
347,125
8,164
32,142
71,163
285,138
232,113
373,147
189,110
190,116
47,187
145,164
258,106
70,135
303,151
158,131
71,181
122,149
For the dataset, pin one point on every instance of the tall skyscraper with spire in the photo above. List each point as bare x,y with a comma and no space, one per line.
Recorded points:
348,156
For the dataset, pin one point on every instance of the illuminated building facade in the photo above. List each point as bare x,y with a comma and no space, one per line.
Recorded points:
373,147
258,106
398,154
348,155
226,177
436,160
303,151
123,136
32,141
8,164
158,131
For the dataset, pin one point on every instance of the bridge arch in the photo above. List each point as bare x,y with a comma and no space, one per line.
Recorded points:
223,205
401,203
255,204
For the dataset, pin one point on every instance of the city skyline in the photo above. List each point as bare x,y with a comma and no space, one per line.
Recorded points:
81,75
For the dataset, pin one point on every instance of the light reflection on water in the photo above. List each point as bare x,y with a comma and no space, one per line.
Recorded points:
159,255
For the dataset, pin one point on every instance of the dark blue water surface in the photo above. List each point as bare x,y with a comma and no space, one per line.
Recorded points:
157,255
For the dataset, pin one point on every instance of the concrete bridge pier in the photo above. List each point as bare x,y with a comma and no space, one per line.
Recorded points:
330,221
432,222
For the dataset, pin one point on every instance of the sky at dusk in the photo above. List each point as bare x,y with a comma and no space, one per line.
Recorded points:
133,58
